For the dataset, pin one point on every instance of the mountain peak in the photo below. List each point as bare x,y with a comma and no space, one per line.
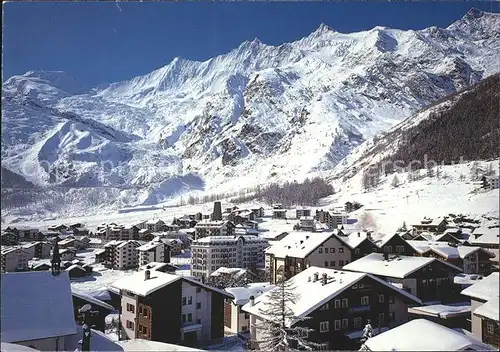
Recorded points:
473,13
323,28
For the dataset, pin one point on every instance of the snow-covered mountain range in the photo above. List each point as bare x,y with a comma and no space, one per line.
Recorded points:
257,114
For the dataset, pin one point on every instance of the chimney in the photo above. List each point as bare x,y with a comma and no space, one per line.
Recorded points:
217,214
324,279
147,275
316,277
252,301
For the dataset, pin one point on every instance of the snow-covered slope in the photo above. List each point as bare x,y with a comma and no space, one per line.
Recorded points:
257,114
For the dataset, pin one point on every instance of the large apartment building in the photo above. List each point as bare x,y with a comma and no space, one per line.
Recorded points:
169,308
154,251
15,259
212,252
121,254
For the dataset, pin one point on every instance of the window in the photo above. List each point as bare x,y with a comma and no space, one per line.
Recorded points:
183,318
190,300
356,251
332,263
130,308
198,289
381,298
320,250
337,303
345,303
130,325
325,306
184,301
145,312
391,299
326,250
337,325
247,316
345,323
140,310
198,305
324,326
365,300
332,250
355,286
388,249
341,250
358,322
190,317
392,316
326,263
381,318
198,321
490,328
341,263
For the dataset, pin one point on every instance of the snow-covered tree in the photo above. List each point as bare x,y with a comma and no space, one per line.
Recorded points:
395,181
279,330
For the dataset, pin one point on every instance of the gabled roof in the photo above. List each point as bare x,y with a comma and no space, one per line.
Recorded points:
423,335
36,305
150,245
91,299
397,266
484,289
298,244
489,310
312,295
242,294
137,283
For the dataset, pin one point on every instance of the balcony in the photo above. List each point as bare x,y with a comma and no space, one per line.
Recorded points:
359,309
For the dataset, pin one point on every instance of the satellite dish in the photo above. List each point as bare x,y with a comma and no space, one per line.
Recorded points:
85,308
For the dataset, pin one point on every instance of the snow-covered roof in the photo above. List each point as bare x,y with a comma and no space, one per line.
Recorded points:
140,345
488,236
137,283
149,245
398,266
298,244
443,311
242,294
237,272
271,235
12,347
155,266
444,249
484,289
423,335
354,239
91,299
489,310
312,295
102,294
466,279
75,266
129,242
36,305
98,341
220,239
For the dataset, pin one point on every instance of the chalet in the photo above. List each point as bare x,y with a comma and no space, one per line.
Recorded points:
175,244
70,242
229,277
163,307
10,239
334,220
359,243
143,232
452,315
40,250
252,224
58,228
337,304
162,267
472,260
423,335
235,320
279,212
26,233
429,279
436,225
15,259
351,206
37,310
484,296
184,222
100,255
486,237
213,228
101,308
155,225
298,250
76,271
149,236
172,228
259,212
306,223
393,243
68,253
300,212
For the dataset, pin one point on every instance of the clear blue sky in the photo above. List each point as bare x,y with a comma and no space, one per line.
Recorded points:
100,42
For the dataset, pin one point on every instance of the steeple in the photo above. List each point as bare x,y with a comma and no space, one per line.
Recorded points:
56,258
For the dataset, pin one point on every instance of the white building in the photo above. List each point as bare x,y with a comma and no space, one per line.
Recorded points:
121,254
235,319
336,219
15,259
423,335
212,252
154,251
484,295
169,308
306,223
